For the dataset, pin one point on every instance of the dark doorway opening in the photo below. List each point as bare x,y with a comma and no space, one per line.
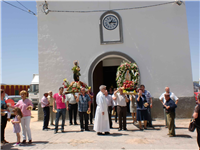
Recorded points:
109,79
107,76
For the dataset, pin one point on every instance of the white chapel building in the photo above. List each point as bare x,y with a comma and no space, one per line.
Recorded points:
100,35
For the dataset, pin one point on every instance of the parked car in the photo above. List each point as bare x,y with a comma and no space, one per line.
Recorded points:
33,91
15,98
196,94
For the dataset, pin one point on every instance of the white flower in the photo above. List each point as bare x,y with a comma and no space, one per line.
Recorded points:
74,85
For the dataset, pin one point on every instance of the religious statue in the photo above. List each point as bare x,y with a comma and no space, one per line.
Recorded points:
127,76
76,70
75,86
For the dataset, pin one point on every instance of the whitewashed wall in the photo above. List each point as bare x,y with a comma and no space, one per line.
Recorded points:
156,38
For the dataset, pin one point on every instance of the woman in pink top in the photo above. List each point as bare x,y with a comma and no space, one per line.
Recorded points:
25,105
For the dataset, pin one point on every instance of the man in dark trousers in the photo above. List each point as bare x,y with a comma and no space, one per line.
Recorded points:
72,107
59,99
170,106
115,106
91,95
83,101
110,104
121,100
46,110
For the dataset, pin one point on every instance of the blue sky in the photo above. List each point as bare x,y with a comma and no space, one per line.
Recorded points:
19,42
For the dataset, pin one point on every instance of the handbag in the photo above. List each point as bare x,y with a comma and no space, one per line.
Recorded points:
192,125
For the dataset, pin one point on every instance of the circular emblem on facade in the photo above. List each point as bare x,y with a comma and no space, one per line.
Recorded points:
110,22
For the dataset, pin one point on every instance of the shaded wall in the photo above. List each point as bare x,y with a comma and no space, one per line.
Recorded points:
185,108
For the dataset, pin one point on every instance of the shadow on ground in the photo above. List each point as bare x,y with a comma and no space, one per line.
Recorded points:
181,128
114,134
148,128
158,125
10,145
117,134
182,136
129,123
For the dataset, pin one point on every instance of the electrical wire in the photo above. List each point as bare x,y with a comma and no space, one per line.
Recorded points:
22,5
26,8
17,7
77,11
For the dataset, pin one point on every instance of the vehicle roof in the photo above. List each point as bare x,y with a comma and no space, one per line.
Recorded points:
14,96
35,79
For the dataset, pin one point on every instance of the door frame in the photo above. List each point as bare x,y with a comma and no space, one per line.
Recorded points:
102,57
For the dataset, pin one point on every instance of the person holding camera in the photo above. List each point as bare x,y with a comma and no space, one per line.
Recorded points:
141,109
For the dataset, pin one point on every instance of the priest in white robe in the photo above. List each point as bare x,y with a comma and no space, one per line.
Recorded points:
101,123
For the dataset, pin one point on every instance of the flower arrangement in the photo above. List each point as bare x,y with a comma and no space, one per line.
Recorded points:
127,76
75,86
66,83
128,85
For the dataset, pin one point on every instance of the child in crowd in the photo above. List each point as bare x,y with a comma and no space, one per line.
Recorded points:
16,123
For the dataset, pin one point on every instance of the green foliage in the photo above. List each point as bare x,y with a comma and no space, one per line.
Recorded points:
121,72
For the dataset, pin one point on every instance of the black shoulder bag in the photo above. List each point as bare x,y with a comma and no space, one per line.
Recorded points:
192,125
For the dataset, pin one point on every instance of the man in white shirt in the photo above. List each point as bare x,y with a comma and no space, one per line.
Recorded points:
72,107
163,100
110,106
121,100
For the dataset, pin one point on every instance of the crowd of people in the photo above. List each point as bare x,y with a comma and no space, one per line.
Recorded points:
83,103
108,103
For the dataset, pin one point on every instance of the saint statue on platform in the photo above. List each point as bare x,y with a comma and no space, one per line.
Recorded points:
75,86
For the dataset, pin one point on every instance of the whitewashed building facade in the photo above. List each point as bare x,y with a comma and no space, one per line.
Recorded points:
156,38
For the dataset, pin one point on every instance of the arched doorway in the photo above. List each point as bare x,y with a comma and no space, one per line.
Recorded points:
103,70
